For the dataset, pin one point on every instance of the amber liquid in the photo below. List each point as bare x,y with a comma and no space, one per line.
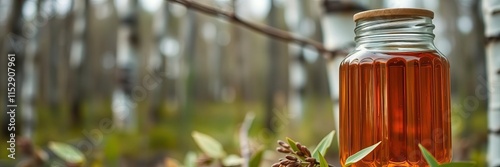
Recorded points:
399,98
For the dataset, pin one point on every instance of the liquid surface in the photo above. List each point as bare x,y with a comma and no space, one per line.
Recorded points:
401,99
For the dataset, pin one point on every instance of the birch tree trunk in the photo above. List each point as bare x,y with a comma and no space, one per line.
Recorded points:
77,61
491,12
294,17
29,86
158,60
338,31
123,105
273,64
171,49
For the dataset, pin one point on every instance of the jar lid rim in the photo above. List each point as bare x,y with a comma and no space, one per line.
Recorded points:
393,12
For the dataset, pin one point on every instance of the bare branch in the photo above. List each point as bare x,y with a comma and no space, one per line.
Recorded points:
264,29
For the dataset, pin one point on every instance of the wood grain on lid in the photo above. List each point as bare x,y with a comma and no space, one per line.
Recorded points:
393,12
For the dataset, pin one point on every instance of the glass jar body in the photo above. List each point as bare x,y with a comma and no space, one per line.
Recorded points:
396,91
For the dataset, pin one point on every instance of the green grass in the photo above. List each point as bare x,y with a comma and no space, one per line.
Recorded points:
221,120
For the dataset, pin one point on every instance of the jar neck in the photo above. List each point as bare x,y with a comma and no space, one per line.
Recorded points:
395,33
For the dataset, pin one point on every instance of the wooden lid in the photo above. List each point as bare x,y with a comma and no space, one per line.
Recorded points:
393,12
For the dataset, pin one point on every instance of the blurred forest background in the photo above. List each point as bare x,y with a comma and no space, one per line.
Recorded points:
159,71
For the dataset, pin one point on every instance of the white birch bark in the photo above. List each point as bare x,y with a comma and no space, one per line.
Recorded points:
123,104
491,12
335,35
338,31
294,16
29,85
172,48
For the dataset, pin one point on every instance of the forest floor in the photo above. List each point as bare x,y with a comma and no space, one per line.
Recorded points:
169,133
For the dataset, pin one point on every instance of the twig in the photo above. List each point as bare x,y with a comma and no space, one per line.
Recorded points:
264,29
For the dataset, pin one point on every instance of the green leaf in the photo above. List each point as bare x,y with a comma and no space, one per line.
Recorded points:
232,160
322,161
458,164
428,156
323,145
360,154
292,144
209,145
67,152
190,160
256,158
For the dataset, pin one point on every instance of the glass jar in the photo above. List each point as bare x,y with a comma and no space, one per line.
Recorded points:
395,88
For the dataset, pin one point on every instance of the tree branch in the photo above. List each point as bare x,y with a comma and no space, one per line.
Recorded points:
264,29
